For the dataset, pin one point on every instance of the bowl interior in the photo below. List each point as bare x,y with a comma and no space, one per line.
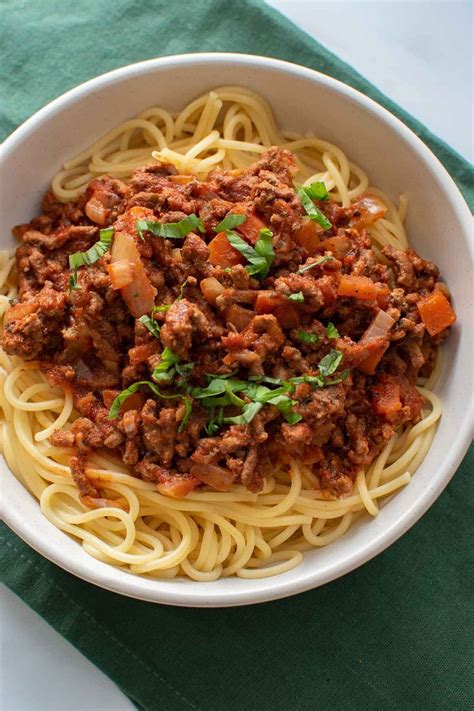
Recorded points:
395,160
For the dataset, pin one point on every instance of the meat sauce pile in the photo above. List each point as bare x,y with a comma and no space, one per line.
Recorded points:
263,327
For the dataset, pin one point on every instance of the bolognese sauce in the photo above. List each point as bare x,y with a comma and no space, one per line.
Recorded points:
210,329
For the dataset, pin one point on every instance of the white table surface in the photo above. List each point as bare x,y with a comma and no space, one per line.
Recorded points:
419,54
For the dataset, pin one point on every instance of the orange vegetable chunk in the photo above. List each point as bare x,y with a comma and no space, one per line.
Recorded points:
359,287
222,253
436,312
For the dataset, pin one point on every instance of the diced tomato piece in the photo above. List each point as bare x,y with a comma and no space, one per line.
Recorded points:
359,287
238,316
375,350
436,312
250,229
222,254
308,236
339,245
135,401
268,301
383,296
288,316
386,400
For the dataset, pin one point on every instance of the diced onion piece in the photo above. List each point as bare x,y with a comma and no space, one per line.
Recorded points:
178,486
140,294
217,477
121,273
211,288
371,208
375,339
379,327
96,211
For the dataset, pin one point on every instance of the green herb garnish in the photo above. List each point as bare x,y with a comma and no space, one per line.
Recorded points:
299,296
125,394
164,372
229,222
151,325
330,363
316,191
93,254
170,230
307,337
317,263
311,210
165,307
260,257
331,331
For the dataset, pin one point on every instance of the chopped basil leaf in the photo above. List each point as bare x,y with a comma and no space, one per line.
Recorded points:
248,413
331,331
316,191
265,379
321,260
261,257
125,394
329,364
165,307
307,337
188,408
315,380
73,281
342,376
170,230
299,296
181,290
222,376
94,253
293,417
218,386
229,222
241,245
164,371
151,325
310,208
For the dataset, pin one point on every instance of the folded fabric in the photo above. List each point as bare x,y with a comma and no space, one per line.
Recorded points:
391,635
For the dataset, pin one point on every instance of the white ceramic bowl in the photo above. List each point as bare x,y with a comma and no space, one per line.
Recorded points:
439,225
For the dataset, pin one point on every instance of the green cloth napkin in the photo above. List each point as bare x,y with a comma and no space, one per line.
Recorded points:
393,634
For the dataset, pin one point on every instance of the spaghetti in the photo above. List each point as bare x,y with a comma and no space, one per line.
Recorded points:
207,534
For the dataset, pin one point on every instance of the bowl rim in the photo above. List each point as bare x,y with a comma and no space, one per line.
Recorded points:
200,594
